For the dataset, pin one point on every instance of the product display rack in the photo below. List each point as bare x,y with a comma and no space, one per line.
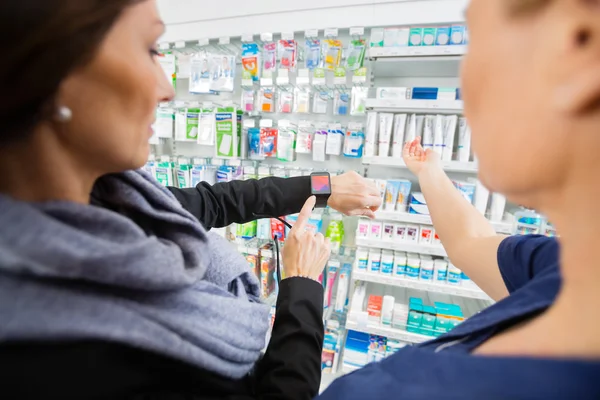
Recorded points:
505,227
389,280
432,250
449,166
409,67
387,331
416,106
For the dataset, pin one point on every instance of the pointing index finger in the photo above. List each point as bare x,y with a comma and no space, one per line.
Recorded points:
305,214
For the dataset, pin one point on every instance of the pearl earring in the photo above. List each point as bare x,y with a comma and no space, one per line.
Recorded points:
63,114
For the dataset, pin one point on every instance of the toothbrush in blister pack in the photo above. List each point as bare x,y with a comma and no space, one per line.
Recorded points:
312,53
288,53
270,58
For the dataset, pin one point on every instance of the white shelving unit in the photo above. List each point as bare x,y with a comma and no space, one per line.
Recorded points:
389,332
401,53
424,106
402,246
449,166
504,227
473,293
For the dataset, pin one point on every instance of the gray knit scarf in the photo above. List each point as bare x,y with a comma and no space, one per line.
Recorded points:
133,268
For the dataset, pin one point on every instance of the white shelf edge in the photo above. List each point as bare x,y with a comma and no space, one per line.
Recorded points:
504,227
398,53
402,246
449,166
390,333
420,285
437,106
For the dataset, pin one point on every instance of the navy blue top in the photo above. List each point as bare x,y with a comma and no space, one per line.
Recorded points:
444,368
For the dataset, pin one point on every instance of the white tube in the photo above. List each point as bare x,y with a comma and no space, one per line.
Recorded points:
428,132
371,134
386,125
387,310
464,141
450,123
497,207
438,135
482,196
411,132
399,129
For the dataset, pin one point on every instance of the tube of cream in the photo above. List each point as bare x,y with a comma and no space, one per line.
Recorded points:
438,135
399,129
420,123
371,134
332,271
411,132
450,123
464,140
428,132
482,196
386,125
497,207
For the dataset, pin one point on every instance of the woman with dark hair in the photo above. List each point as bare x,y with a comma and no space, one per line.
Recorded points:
531,87
111,286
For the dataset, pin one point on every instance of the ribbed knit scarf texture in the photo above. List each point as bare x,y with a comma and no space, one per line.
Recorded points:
133,268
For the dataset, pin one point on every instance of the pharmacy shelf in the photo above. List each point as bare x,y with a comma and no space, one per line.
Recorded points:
402,246
505,227
422,52
471,293
418,106
389,332
449,166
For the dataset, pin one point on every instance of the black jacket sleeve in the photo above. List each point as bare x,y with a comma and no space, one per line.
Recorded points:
222,204
291,367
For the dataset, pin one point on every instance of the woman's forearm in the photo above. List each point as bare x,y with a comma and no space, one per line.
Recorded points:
469,239
222,204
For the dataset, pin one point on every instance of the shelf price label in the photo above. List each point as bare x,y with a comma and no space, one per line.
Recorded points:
319,77
180,44
311,33
225,40
247,38
339,76
357,31
266,37
203,42
287,35
331,32
360,75
164,46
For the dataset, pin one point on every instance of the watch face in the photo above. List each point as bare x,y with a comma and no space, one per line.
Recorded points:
320,184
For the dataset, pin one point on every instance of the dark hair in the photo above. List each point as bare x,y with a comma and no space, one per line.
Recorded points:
42,42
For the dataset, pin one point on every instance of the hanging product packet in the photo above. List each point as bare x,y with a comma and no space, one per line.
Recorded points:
164,127
255,150
301,100
341,102
358,105
251,60
270,58
241,150
248,100
192,120
268,142
335,140
226,133
285,100
319,144
355,139
356,54
266,99
320,102
332,54
286,141
304,141
312,53
223,73
200,76
288,54
206,126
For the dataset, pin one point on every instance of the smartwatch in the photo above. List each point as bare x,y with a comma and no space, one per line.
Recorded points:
320,187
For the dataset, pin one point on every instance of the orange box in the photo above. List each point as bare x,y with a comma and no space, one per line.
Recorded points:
374,306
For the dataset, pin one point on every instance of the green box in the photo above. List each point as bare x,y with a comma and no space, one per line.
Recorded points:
429,35
415,37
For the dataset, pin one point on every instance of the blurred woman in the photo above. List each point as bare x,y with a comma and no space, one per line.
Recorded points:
531,86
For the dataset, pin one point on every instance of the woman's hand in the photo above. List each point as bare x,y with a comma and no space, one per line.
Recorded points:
305,253
351,194
418,160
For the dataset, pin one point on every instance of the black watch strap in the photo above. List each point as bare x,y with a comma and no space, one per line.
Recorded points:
322,200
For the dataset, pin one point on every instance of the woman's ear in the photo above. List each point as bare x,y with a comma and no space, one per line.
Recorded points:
579,90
